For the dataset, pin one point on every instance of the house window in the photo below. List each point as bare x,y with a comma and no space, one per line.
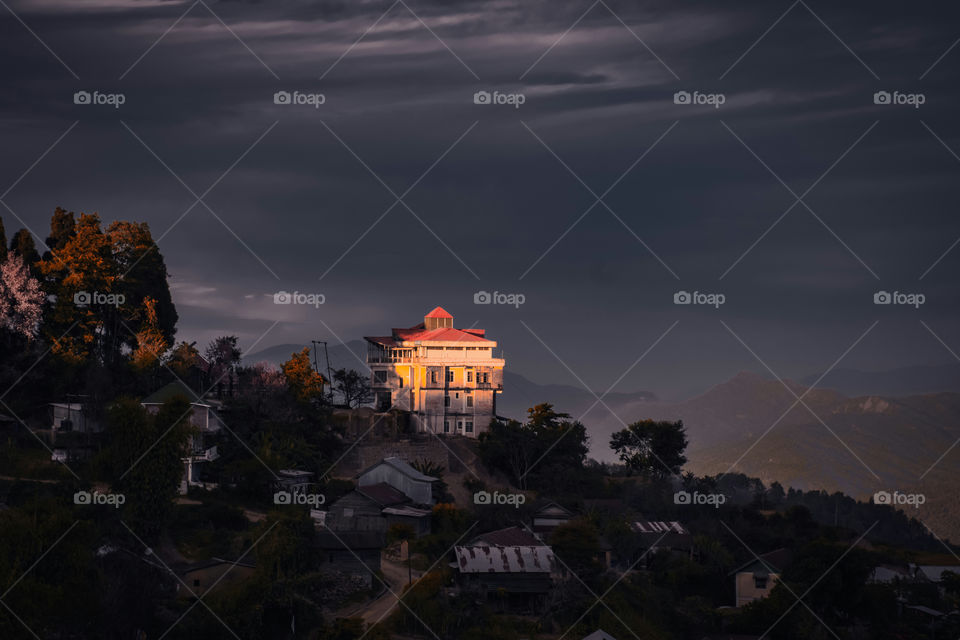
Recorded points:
760,582
486,378
196,582
446,401
459,425
469,401
380,377
347,512
469,426
469,376
449,375
446,426
433,377
400,382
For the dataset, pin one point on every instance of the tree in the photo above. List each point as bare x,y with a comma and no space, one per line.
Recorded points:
151,342
142,275
145,458
577,545
183,359
21,299
654,448
22,244
223,356
3,242
62,228
354,388
303,381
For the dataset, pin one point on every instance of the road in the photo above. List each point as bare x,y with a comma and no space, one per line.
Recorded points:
395,574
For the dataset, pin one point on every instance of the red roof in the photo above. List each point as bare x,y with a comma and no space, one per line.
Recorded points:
439,312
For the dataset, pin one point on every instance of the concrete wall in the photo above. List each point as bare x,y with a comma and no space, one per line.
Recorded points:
747,590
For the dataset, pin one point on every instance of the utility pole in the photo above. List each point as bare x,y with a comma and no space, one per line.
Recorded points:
326,357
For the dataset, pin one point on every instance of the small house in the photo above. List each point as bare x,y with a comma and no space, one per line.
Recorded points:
376,507
526,570
549,517
74,417
293,481
205,421
353,553
400,475
756,578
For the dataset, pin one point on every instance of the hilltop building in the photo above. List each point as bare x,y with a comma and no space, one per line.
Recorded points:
446,378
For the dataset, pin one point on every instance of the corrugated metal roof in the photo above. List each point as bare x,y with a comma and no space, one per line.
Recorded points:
658,526
486,559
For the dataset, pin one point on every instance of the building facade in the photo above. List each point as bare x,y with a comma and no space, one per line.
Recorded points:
447,378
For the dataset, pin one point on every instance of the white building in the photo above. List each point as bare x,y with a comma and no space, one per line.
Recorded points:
447,378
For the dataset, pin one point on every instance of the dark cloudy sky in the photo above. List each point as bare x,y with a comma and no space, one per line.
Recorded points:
300,198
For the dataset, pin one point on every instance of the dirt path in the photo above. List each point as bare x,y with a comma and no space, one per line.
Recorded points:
395,575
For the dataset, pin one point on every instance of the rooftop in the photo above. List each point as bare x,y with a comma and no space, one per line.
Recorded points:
383,494
509,537
521,559
172,390
403,467
439,312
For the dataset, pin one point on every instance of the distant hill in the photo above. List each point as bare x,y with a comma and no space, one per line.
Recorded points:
351,356
895,382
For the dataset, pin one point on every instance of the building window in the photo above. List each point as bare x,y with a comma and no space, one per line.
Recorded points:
446,401
760,582
347,512
459,425
486,378
380,377
400,382
469,376
469,426
446,426
469,401
196,582
449,375
433,377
